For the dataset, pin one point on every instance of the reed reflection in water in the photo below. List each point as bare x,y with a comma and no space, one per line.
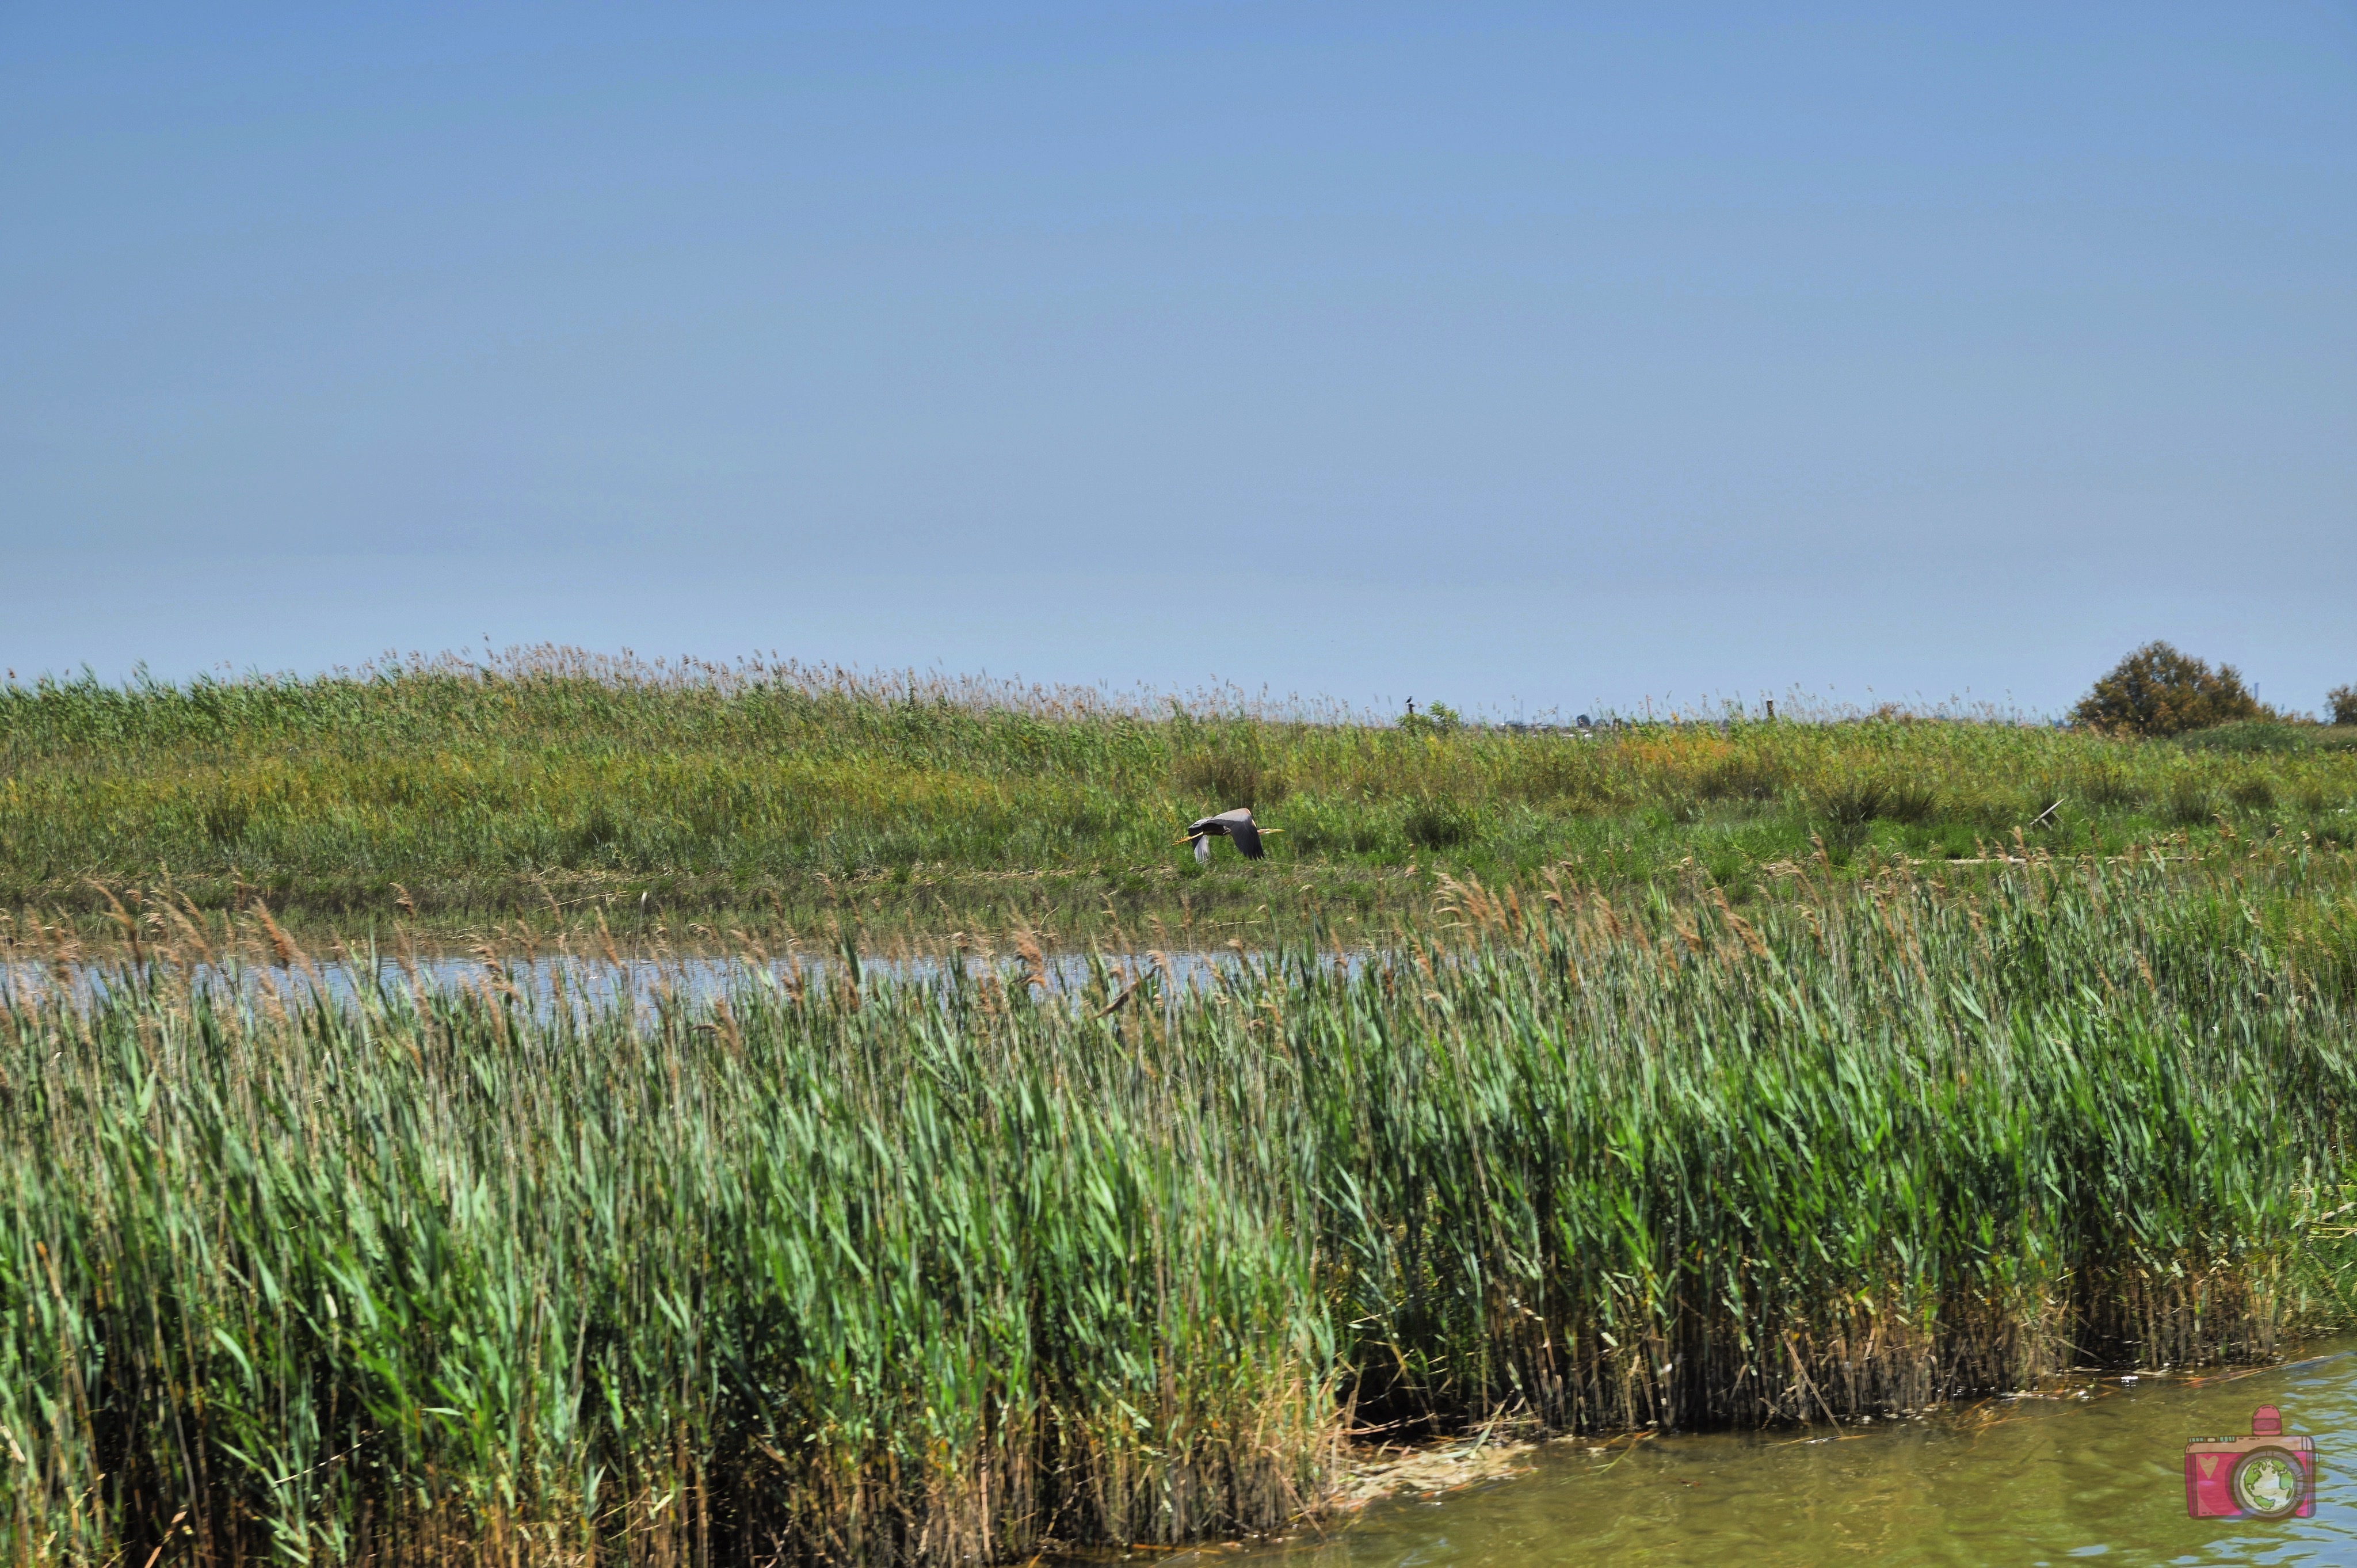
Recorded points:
2093,1472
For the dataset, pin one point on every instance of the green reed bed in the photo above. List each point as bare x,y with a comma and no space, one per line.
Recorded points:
855,1268
552,783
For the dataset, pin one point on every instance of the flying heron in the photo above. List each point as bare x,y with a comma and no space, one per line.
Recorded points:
1236,826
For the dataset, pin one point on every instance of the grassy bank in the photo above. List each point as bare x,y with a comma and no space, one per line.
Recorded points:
552,783
856,1269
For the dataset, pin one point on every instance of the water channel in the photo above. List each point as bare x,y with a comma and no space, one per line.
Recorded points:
588,983
2092,1473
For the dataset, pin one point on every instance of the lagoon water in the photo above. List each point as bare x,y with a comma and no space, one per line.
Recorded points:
2053,1480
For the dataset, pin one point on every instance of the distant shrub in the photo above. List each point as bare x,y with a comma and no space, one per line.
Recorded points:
595,833
2190,803
1996,807
1439,718
1232,777
2106,785
1561,772
1857,800
2253,792
2342,701
1746,776
2158,690
1437,824
1318,828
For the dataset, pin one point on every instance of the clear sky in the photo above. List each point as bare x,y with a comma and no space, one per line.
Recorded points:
1522,358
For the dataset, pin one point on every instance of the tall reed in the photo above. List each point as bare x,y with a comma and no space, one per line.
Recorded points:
931,1268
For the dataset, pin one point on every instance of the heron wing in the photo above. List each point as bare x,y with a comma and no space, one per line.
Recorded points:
1237,825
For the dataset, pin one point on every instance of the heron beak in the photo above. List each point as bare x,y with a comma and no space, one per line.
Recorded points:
1189,839
1266,831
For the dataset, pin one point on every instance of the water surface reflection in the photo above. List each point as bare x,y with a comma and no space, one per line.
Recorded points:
580,982
2046,1481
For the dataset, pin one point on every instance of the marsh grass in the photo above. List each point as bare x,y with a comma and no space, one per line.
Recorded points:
1858,800
2271,738
1430,824
2192,803
463,792
848,1267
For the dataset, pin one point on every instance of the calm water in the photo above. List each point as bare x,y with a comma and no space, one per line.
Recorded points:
2026,1481
583,981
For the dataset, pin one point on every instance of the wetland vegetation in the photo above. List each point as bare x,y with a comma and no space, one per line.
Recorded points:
1671,1074
549,784
862,1268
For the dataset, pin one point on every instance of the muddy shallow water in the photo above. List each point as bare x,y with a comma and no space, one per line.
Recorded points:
2091,1476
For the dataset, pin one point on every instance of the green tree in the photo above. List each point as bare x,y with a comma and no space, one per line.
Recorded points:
2158,690
2343,702
1440,718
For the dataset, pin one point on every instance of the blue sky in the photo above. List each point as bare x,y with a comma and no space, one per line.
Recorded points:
1522,358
